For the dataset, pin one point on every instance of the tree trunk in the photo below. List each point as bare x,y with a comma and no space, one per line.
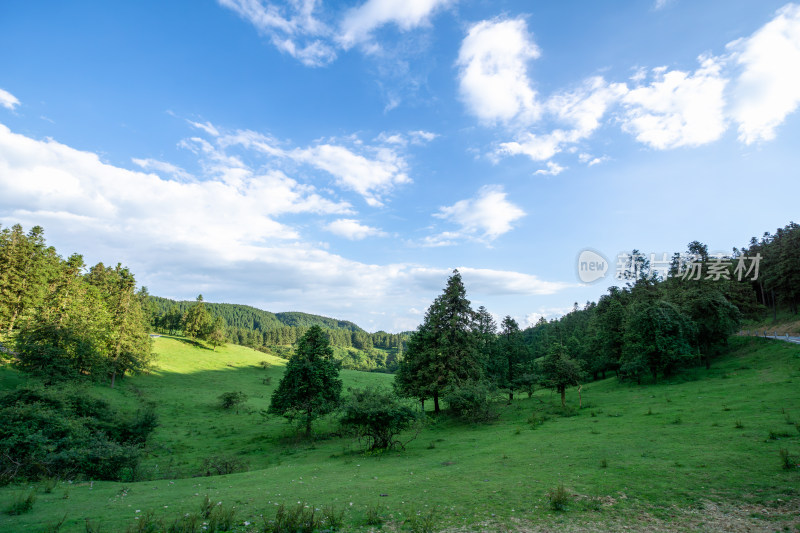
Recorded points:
510,396
436,402
580,401
563,391
113,378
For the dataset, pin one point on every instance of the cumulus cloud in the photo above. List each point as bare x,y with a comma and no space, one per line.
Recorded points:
579,110
768,86
485,217
226,240
370,171
756,85
493,72
678,108
359,22
8,100
352,229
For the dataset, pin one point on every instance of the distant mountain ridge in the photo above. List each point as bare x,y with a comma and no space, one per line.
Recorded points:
249,317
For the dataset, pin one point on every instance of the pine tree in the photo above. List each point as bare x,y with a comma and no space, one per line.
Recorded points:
310,386
442,354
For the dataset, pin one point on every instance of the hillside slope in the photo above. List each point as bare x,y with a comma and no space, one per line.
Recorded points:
697,452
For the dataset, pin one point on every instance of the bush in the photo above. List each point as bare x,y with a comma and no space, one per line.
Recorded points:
22,503
422,523
299,519
373,517
378,417
559,498
231,400
61,433
221,465
473,401
787,461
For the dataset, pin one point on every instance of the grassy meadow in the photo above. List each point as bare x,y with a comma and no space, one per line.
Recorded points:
699,451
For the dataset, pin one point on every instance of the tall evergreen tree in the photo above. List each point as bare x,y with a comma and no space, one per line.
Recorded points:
442,353
310,386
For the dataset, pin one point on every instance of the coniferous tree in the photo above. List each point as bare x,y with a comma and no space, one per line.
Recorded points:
310,386
442,353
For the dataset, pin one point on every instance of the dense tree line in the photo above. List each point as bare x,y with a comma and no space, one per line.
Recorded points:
64,324
665,317
64,321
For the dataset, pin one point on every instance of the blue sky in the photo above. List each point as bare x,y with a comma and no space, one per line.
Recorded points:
342,158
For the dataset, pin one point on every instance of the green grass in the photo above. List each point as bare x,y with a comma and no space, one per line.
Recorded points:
622,459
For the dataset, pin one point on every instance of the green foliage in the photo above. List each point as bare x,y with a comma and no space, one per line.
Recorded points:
222,465
787,461
232,400
473,401
657,339
53,433
374,516
420,522
310,386
558,370
22,503
377,417
301,518
559,498
442,353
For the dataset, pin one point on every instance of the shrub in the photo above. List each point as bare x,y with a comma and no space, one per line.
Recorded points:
22,503
332,518
422,523
373,517
299,519
473,401
232,400
55,527
378,417
221,465
787,461
66,433
559,498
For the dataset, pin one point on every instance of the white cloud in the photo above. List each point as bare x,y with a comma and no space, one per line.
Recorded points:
768,88
553,169
486,217
292,28
8,100
371,178
590,160
206,127
493,73
214,237
352,229
678,108
505,282
164,168
360,22
580,110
